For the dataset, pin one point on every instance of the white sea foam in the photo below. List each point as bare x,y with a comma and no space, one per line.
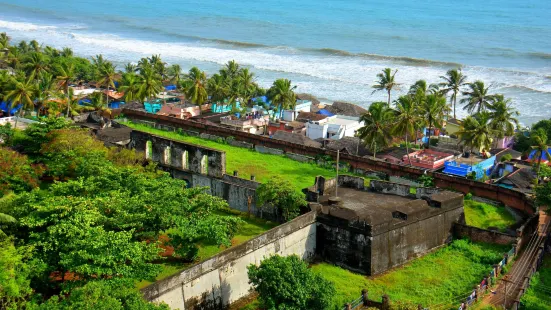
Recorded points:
335,77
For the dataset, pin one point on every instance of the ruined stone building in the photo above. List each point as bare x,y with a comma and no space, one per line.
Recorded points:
370,229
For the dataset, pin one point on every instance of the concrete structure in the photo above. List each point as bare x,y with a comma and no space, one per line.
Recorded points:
222,279
251,125
427,159
290,115
334,127
182,111
453,125
372,229
463,168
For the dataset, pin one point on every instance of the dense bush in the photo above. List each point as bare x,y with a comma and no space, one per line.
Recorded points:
287,283
17,173
280,194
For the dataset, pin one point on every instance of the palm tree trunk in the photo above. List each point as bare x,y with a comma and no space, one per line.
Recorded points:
389,98
454,102
68,99
538,169
17,118
407,149
374,150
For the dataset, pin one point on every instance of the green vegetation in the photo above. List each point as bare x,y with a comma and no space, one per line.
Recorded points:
483,215
538,295
250,162
108,221
287,283
437,278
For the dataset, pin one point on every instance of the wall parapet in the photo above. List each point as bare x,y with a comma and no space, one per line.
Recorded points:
221,279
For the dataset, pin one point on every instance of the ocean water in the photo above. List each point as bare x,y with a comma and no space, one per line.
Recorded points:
332,49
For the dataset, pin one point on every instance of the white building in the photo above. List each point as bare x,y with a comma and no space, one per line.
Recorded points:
301,106
334,127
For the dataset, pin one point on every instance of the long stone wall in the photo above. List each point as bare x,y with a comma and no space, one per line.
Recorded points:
506,196
482,235
222,279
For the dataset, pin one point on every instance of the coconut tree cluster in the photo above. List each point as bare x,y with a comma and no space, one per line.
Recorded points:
426,106
40,78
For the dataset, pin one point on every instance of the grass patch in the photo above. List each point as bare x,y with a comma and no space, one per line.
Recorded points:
250,162
251,228
483,215
439,277
538,295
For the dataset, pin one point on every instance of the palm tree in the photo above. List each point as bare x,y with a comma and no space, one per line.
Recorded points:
432,110
107,76
66,76
35,63
21,93
175,73
14,57
282,94
386,82
377,126
195,86
130,68
478,98
407,119
130,85
34,46
502,116
230,70
540,145
476,131
45,89
97,103
72,102
217,88
67,52
454,80
246,83
4,40
150,84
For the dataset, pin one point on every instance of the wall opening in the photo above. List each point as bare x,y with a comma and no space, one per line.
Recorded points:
148,149
185,160
167,155
204,164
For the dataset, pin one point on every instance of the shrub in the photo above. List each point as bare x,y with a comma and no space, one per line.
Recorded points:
280,194
506,157
426,180
433,141
469,196
16,172
287,283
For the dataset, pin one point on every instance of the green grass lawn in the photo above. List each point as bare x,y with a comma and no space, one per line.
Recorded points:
251,228
250,162
484,215
538,295
436,278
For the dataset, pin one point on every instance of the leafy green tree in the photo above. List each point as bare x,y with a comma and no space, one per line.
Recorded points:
540,146
386,82
102,295
35,63
107,78
130,68
376,132
287,283
217,87
17,173
477,97
282,94
230,70
406,120
280,194
175,74
36,134
15,286
45,90
454,80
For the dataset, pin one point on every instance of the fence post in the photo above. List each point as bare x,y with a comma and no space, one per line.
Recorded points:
386,304
348,307
419,307
365,297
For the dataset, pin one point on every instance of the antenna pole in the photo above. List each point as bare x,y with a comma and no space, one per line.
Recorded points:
337,180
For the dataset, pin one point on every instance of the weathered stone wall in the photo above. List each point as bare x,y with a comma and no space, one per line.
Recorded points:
482,235
267,150
506,196
222,279
185,156
301,158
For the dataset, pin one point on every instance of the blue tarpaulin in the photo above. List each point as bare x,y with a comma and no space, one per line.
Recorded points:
533,153
4,106
115,105
170,87
325,112
84,101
